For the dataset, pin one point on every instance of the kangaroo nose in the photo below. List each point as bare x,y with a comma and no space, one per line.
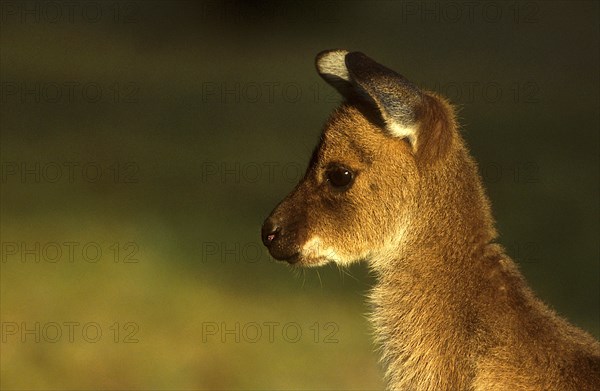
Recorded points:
270,232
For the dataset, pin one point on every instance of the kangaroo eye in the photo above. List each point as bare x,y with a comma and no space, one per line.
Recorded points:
339,177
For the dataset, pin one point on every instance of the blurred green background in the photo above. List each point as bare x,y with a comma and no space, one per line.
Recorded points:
143,143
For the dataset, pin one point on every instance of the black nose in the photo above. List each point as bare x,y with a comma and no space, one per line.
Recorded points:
270,231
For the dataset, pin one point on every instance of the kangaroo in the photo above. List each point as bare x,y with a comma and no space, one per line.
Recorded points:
392,183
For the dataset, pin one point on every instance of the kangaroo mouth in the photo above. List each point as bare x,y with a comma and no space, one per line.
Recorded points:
284,256
299,260
292,259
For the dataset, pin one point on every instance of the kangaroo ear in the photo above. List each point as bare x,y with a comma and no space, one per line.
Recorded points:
357,77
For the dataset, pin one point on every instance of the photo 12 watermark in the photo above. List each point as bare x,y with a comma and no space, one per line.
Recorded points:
69,252
70,172
234,252
488,91
469,12
69,12
288,12
269,92
69,332
68,92
252,252
238,172
526,172
269,332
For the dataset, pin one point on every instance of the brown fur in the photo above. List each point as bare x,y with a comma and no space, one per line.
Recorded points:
451,311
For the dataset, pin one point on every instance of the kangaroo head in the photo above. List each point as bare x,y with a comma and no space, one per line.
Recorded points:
384,168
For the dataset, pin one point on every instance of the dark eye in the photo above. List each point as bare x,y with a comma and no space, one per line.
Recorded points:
339,177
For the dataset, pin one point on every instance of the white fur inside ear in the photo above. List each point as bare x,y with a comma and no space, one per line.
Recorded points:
334,63
397,130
